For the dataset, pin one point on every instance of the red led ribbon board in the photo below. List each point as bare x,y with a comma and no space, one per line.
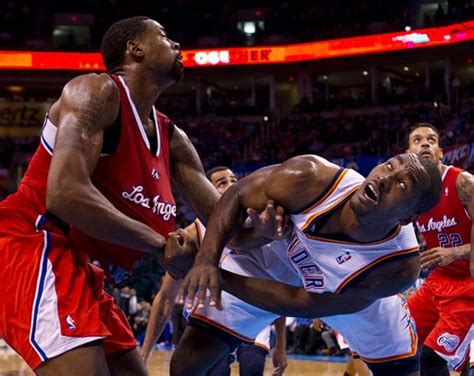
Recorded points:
421,38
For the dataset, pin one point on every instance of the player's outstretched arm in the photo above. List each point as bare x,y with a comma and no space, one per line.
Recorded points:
465,190
291,185
285,300
160,314
88,105
166,297
279,357
225,221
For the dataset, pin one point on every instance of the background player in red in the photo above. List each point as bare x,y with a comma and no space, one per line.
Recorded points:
98,185
443,308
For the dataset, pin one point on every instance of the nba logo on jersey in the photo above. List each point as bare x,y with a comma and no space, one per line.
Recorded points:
155,175
71,325
343,258
448,341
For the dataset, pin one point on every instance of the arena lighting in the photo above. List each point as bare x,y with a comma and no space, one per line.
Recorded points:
421,38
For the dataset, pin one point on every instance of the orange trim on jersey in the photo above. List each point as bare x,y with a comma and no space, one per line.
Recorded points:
328,193
315,215
414,349
197,223
223,257
261,345
221,327
375,262
355,243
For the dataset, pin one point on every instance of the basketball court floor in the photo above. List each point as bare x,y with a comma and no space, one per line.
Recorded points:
12,365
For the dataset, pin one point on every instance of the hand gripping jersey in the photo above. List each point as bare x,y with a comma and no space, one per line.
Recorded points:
253,257
134,178
447,225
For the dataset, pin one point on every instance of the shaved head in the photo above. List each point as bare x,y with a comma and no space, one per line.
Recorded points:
427,178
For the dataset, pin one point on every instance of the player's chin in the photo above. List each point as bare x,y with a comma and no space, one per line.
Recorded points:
177,72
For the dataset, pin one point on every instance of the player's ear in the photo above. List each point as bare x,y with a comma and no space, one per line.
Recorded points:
135,48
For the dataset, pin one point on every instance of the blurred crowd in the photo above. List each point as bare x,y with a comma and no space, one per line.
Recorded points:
262,140
215,24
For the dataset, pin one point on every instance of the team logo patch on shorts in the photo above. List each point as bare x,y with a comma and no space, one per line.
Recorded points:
71,325
449,341
346,256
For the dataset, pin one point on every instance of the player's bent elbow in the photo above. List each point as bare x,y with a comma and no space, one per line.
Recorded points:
59,201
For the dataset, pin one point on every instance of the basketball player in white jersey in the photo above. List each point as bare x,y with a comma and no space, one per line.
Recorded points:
222,178
353,249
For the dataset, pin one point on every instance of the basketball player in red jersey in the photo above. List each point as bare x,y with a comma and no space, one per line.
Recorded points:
98,185
443,308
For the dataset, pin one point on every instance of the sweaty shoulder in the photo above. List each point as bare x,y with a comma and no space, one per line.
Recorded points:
89,94
300,179
309,169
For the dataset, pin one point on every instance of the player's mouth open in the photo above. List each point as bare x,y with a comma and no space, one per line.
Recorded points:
370,193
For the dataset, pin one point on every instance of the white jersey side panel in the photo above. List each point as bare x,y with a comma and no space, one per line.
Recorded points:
238,317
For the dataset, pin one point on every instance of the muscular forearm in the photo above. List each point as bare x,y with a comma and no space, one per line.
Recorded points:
280,335
224,223
462,252
188,176
160,312
198,193
84,207
286,300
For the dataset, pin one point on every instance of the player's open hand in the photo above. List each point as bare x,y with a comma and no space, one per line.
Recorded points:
272,223
437,256
280,361
203,276
180,252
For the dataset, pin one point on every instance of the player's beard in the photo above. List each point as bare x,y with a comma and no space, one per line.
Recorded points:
177,70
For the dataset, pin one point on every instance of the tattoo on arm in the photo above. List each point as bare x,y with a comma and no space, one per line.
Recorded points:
465,189
88,107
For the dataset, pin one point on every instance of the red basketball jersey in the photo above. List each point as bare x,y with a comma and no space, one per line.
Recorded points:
135,179
447,225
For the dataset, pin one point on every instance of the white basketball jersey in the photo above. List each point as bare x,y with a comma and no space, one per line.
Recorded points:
257,263
268,262
330,262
